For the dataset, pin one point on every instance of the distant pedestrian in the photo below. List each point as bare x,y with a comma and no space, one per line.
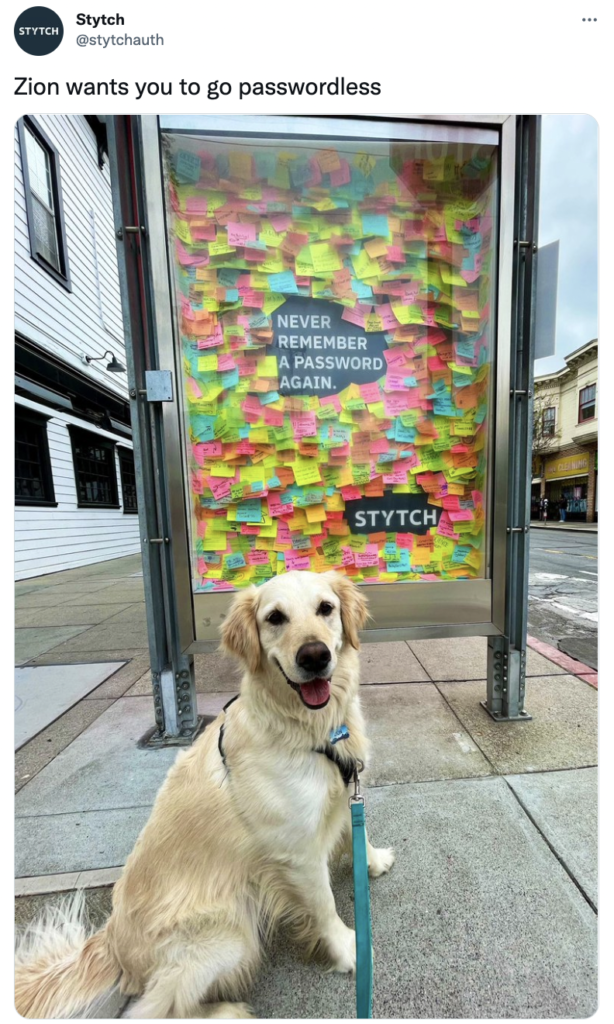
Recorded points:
562,509
544,509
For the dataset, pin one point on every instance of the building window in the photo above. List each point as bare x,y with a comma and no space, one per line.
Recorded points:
41,173
128,477
33,478
586,409
95,473
548,421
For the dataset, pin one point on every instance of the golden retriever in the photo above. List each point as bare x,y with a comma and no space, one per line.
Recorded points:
242,830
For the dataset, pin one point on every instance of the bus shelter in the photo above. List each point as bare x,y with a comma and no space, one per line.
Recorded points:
329,327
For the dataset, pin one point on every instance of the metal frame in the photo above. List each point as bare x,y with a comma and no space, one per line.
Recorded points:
483,607
469,614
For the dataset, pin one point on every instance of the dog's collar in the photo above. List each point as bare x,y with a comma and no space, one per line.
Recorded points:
346,766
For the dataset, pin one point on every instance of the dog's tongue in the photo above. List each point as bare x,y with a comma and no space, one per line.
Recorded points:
316,692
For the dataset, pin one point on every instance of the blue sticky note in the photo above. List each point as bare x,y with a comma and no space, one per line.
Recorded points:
227,278
265,164
258,320
269,397
236,561
249,511
390,550
230,379
460,553
410,382
400,564
403,433
283,282
300,172
202,426
232,295
187,166
375,224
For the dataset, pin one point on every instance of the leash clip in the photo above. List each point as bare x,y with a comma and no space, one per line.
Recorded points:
357,797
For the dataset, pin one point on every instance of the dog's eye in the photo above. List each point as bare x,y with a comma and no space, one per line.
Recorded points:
325,608
276,618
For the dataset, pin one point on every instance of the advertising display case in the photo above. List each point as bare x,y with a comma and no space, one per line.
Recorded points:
333,300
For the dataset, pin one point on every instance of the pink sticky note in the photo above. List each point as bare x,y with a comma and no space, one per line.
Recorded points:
464,515
219,486
342,176
332,400
273,417
368,557
370,392
196,204
204,233
193,388
281,221
354,316
258,557
277,507
296,561
241,234
351,493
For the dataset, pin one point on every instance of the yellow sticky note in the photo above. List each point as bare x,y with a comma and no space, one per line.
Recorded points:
315,513
306,471
364,266
325,258
221,468
267,367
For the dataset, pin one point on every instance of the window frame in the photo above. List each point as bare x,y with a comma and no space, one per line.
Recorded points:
124,454
62,276
39,420
101,442
546,421
581,391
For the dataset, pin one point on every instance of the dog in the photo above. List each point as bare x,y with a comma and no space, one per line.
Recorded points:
242,831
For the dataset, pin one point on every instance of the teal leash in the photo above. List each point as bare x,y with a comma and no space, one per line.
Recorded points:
362,903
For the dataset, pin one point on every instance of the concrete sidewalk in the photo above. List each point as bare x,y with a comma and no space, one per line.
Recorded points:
490,909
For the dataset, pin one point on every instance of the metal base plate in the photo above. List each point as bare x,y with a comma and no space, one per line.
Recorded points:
153,739
524,716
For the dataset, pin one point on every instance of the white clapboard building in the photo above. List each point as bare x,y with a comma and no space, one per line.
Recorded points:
75,496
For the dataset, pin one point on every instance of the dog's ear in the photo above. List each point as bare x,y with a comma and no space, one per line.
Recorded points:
240,629
354,611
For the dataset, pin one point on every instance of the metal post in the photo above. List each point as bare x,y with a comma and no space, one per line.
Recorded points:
176,719
506,667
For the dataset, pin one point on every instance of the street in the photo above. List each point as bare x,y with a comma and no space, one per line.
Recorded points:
563,591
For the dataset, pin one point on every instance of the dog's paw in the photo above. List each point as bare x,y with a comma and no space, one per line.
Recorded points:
228,1011
380,861
341,946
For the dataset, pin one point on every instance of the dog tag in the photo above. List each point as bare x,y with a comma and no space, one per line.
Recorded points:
340,733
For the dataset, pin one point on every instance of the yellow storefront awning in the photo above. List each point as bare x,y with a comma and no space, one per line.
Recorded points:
566,466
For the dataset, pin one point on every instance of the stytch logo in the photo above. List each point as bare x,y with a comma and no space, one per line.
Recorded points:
39,31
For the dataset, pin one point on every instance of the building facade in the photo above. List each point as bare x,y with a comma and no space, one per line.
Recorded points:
75,495
565,449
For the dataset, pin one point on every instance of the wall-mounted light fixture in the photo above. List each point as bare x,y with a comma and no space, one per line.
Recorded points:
114,365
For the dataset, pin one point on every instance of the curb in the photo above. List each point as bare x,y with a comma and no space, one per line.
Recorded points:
38,885
571,665
565,529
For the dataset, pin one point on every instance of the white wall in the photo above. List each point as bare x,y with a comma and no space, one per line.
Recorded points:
51,539
88,319
65,324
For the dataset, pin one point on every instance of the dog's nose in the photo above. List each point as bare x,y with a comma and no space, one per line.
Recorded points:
313,657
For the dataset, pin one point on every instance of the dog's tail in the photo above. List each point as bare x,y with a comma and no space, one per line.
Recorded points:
61,967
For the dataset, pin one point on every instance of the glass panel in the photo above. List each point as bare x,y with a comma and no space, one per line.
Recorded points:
29,474
334,301
39,169
45,232
95,466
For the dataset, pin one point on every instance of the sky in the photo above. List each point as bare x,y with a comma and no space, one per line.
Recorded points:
568,212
